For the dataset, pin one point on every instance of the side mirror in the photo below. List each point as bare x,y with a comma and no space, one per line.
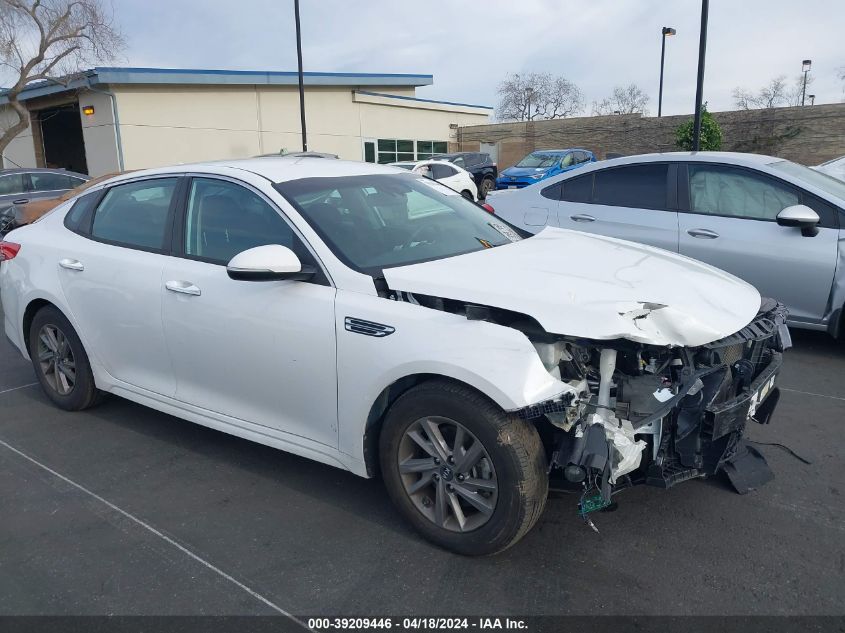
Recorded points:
272,262
802,217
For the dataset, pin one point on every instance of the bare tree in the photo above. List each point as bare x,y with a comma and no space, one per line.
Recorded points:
775,94
48,39
840,72
624,100
538,96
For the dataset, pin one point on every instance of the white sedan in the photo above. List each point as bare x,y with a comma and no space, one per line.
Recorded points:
445,172
375,320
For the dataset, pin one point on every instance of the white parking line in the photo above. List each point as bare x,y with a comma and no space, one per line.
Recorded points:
32,384
810,393
154,531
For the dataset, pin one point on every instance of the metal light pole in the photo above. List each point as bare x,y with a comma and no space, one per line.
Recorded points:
666,31
699,89
805,67
301,78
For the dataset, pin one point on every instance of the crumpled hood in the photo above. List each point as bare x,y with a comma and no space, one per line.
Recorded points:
519,172
594,287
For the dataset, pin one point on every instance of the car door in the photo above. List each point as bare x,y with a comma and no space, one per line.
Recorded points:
110,271
632,202
731,224
262,352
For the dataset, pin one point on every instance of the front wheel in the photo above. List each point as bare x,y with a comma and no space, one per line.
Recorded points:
467,475
487,185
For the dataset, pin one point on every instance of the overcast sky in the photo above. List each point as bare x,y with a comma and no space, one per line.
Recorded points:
470,45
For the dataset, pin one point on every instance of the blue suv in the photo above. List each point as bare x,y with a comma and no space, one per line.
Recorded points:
543,164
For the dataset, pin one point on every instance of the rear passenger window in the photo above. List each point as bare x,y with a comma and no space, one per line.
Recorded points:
578,189
637,186
135,214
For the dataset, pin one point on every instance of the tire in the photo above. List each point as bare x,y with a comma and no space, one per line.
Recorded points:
509,482
487,185
68,381
466,193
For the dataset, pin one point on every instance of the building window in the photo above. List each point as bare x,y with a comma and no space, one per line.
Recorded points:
393,150
425,149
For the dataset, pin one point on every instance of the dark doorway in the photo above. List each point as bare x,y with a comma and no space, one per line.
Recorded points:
61,133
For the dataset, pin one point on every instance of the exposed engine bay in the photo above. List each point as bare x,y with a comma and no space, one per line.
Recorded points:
636,413
662,415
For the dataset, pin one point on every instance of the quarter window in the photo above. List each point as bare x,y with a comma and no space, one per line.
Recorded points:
225,219
135,214
720,190
637,186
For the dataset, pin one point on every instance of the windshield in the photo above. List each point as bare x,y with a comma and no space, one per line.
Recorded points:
538,159
828,184
377,221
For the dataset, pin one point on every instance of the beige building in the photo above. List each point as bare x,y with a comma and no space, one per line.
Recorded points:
111,119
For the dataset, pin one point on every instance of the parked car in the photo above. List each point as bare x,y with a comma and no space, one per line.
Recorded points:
771,222
373,320
28,211
19,186
543,164
834,168
479,164
442,171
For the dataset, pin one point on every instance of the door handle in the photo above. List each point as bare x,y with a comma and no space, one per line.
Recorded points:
71,264
20,201
185,287
706,234
582,217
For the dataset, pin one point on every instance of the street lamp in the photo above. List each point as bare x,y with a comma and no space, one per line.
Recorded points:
805,68
812,99
699,84
666,31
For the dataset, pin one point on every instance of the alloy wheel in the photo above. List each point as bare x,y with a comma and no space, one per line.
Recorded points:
448,474
55,358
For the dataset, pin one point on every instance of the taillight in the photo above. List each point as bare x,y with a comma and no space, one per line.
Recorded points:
488,208
8,250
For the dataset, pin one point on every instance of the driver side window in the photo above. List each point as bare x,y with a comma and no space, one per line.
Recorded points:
722,190
224,219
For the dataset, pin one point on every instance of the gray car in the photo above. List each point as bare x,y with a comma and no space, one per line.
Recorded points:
19,186
772,222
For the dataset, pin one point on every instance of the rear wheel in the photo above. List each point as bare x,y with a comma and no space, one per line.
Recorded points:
468,476
60,361
466,193
487,185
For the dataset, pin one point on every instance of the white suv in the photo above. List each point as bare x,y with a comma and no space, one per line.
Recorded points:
374,320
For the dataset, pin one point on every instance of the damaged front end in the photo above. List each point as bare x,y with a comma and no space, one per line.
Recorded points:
661,415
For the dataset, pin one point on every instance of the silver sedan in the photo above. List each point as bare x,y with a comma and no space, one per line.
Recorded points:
774,223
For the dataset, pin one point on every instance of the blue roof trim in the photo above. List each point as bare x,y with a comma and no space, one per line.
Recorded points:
117,75
193,76
454,103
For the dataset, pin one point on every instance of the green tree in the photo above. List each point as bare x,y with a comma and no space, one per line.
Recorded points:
711,133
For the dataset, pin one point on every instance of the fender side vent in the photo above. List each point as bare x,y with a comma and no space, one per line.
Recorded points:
368,328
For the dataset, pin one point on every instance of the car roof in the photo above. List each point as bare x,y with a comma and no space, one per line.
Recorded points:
45,170
276,169
735,158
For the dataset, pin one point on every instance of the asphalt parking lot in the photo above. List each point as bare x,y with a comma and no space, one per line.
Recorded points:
123,510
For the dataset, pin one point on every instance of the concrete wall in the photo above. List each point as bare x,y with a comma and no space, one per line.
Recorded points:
808,135
163,125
